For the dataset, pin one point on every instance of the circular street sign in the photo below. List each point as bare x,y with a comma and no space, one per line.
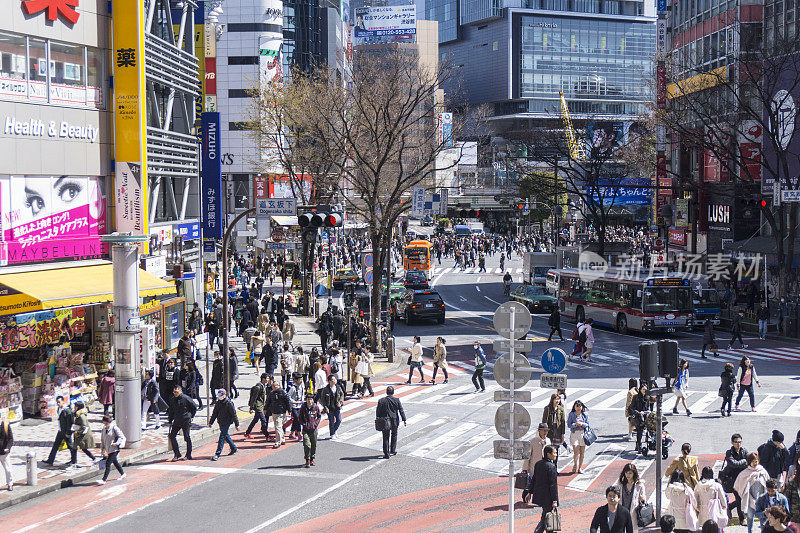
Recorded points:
502,419
554,360
368,277
502,371
325,235
367,260
502,320
277,234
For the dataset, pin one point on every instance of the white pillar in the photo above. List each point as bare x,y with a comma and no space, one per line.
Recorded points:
128,402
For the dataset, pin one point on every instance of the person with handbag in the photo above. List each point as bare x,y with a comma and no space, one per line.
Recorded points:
415,361
632,494
64,434
364,372
112,440
749,485
726,388
682,503
578,423
310,416
538,443
439,359
388,413
82,435
553,416
687,464
612,517
712,503
637,411
543,485
680,387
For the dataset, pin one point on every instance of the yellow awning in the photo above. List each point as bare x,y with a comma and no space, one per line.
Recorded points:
25,292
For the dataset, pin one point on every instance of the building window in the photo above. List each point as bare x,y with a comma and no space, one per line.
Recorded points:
240,93
243,60
58,73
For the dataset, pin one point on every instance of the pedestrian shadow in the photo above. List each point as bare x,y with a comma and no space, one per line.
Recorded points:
504,508
282,467
362,458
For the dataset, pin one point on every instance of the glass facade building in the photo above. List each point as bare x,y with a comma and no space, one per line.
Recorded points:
602,66
446,13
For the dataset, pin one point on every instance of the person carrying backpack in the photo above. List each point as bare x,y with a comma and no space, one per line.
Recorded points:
257,402
576,336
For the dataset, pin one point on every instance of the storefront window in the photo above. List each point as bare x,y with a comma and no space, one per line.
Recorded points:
75,73
12,66
37,68
94,72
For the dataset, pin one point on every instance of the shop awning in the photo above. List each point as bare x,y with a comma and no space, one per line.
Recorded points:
284,220
24,292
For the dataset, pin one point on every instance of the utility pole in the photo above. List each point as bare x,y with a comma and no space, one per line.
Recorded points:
127,400
225,312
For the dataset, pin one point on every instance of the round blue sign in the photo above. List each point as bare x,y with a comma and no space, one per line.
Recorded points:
554,360
368,277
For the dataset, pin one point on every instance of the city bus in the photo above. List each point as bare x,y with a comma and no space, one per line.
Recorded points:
627,301
418,255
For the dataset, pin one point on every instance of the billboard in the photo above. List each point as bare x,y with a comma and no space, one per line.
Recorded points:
51,218
212,177
629,191
130,173
386,24
782,119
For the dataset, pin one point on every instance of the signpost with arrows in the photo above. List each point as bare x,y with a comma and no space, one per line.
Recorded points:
512,321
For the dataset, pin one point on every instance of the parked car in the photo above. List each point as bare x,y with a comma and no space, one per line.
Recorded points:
420,305
416,279
362,303
427,220
535,298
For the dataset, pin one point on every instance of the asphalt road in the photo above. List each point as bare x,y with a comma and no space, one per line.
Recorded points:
445,477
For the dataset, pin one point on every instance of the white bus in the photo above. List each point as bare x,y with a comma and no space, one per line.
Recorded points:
625,301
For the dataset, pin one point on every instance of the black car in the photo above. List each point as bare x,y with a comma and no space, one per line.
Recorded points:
420,305
362,304
416,279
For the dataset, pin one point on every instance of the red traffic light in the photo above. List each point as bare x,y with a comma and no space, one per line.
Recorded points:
763,203
520,207
477,212
334,220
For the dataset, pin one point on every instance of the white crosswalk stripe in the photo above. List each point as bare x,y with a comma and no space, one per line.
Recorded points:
600,462
426,449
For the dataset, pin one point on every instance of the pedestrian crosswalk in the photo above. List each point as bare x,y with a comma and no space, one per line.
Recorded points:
441,434
474,270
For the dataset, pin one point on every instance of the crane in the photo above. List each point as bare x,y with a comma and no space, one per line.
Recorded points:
576,149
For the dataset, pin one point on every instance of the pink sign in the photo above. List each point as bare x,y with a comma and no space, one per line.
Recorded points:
52,218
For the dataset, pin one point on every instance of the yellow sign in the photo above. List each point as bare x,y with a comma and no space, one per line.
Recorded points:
130,179
698,83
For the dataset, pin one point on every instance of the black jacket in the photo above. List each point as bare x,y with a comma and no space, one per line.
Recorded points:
225,412
181,409
216,374
168,379
389,406
545,486
184,350
6,439
65,418
736,324
762,313
555,319
775,460
622,521
735,462
277,402
728,382
331,399
189,377
268,356
638,409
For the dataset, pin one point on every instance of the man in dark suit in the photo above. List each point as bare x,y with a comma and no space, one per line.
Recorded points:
545,486
391,408
65,420
612,518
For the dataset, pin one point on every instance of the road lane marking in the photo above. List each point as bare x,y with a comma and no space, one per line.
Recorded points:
600,462
221,470
426,449
312,499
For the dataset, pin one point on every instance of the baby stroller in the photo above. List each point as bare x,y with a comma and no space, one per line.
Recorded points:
650,434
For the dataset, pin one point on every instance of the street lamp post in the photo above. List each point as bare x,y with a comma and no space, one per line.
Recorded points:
225,312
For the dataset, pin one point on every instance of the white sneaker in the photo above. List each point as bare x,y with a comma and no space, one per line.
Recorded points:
123,476
333,437
100,482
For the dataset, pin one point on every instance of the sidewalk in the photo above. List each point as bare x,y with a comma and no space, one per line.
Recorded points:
36,435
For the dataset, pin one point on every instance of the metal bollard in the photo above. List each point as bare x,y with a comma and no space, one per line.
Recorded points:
32,469
390,349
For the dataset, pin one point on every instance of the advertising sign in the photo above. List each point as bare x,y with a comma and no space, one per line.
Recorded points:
418,201
212,177
189,231
719,217
269,60
750,149
677,237
385,24
626,192
260,187
446,129
682,213
32,330
280,186
129,117
50,218
782,117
